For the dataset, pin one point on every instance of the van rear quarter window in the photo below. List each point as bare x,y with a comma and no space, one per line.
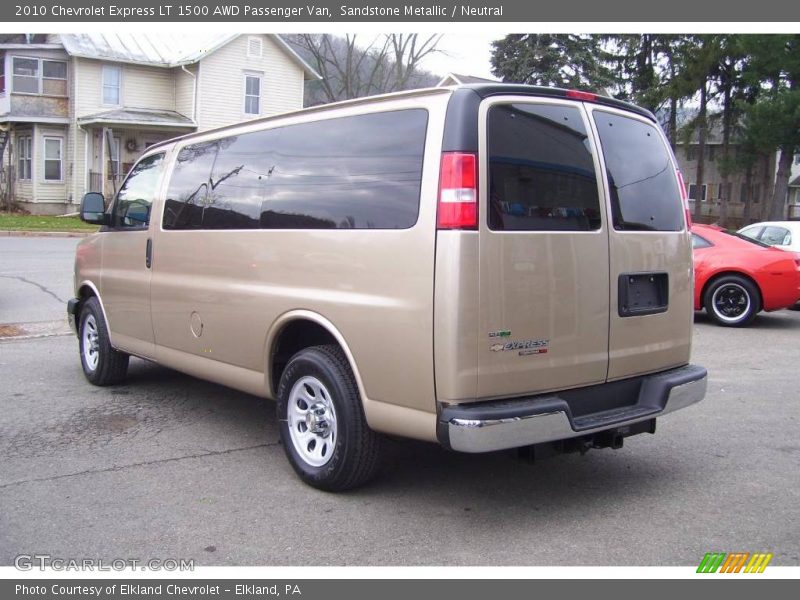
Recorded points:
541,170
360,172
641,176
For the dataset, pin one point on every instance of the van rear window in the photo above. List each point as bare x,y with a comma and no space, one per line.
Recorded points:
641,176
360,172
541,170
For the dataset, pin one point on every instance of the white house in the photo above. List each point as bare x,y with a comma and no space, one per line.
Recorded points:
78,109
457,79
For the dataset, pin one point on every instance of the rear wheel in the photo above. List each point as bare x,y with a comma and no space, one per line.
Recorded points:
732,301
322,424
102,365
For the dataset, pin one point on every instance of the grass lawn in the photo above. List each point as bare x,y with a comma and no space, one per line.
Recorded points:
18,222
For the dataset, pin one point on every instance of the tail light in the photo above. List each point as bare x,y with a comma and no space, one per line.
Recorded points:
458,191
684,199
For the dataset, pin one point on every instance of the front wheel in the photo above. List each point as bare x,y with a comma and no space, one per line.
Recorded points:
102,365
732,301
322,424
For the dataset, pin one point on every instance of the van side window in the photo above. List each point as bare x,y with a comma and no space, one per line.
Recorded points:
541,170
135,197
360,172
186,196
641,176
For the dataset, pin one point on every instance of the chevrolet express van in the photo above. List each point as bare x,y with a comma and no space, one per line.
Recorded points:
487,267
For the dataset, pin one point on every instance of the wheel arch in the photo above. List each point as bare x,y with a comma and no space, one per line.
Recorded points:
86,290
295,330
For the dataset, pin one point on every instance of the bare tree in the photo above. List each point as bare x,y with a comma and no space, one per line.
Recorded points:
352,69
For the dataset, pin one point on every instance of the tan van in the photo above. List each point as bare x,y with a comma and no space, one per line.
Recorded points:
486,267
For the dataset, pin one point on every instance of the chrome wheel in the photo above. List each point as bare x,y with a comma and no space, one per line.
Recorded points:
731,302
311,420
90,343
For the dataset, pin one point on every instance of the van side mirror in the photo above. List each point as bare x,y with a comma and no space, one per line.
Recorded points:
93,209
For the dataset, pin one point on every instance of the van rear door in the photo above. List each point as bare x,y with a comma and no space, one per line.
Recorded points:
650,250
544,249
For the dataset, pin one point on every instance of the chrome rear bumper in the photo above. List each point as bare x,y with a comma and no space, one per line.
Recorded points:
489,426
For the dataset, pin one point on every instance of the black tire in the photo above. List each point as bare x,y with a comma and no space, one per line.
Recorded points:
355,451
732,301
111,366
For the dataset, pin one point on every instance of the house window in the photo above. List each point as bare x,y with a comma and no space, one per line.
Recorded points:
756,192
54,78
743,195
753,193
252,95
693,192
39,76
112,81
255,47
24,157
52,159
26,75
691,153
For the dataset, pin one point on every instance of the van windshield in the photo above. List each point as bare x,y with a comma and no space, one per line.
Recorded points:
641,176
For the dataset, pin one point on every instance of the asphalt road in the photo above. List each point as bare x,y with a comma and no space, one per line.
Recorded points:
35,278
167,466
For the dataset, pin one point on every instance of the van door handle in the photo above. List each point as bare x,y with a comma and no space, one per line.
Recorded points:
148,255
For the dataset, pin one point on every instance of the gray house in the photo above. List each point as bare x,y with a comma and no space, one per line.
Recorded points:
740,187
76,110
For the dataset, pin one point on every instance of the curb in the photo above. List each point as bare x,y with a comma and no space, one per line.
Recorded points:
53,234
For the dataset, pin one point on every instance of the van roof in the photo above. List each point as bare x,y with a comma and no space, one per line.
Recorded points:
477,91
484,90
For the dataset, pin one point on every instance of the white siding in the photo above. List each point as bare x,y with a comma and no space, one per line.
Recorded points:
142,87
184,90
221,83
78,178
76,140
148,87
87,75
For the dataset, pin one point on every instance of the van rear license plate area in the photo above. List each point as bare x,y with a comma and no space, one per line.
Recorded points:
642,294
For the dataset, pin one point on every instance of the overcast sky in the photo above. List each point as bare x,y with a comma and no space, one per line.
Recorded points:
463,54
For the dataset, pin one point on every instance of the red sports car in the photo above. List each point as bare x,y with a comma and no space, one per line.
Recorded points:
735,277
